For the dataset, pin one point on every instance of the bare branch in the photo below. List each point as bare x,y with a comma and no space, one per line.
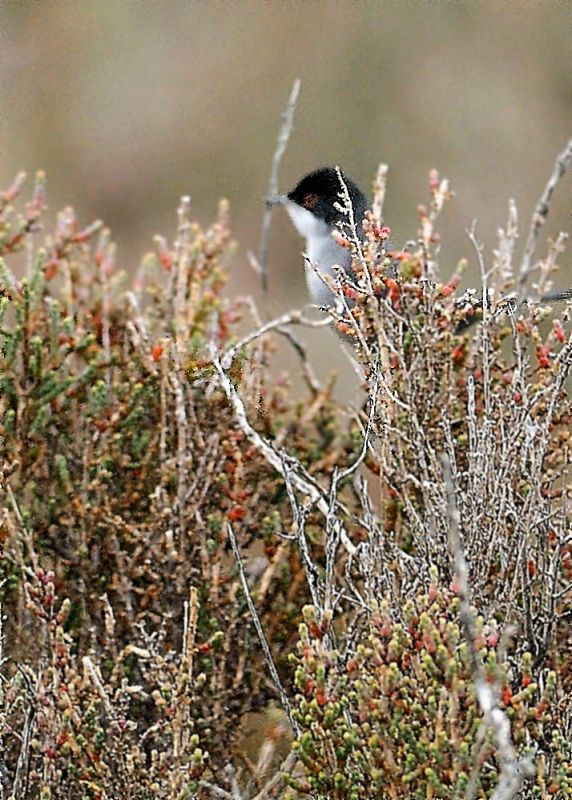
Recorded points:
259,630
276,779
20,786
283,136
290,318
513,771
303,482
379,188
216,791
348,208
345,473
540,214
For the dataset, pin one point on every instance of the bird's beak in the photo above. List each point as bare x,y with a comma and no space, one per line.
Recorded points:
276,200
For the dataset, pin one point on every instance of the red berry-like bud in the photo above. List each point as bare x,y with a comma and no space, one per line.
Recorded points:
156,352
559,330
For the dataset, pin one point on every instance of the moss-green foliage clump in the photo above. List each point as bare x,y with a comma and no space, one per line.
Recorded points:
400,717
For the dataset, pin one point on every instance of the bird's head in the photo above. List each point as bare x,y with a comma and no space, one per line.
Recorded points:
313,202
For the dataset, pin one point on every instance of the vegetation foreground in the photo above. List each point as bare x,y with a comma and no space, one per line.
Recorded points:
214,585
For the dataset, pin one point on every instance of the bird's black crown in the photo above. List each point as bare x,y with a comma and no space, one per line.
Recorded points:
319,191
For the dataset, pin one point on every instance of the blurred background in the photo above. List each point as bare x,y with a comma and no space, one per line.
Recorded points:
127,105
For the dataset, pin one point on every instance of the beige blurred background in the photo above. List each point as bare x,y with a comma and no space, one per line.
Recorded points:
128,104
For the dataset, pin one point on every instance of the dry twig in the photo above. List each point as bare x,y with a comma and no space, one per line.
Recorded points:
540,214
260,631
283,136
514,772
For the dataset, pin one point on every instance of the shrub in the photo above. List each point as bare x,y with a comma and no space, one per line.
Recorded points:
188,542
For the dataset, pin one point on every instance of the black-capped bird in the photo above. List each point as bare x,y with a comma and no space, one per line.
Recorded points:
315,207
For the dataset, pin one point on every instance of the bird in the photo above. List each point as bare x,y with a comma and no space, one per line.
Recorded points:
315,207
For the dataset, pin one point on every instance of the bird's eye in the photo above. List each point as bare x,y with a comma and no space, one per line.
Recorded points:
310,200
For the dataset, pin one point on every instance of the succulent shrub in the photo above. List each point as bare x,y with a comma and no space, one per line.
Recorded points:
188,542
400,718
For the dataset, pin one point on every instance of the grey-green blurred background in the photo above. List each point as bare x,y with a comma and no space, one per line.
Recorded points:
129,104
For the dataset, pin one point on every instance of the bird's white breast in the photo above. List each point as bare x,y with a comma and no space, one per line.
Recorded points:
322,251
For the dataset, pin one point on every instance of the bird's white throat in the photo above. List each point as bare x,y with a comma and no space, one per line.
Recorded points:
305,222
